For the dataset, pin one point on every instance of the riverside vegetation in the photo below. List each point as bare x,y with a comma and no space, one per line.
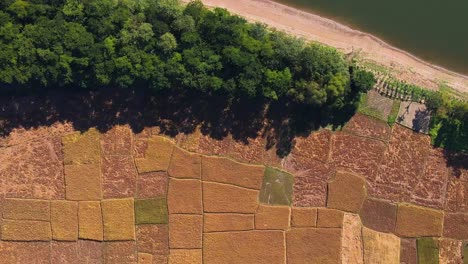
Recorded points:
161,45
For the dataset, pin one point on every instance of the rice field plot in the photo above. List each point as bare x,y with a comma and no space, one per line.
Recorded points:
376,105
367,126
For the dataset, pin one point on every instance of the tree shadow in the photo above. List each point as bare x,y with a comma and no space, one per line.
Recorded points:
172,111
456,161
422,120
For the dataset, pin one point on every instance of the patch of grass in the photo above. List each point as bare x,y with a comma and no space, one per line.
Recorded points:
428,250
373,66
365,109
151,211
465,249
394,112
363,100
443,87
277,187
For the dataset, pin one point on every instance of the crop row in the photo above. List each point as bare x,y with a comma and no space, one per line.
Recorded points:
395,89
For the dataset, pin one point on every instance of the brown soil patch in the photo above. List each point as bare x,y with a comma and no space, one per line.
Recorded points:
21,135
90,221
417,221
25,252
144,258
184,164
185,231
251,150
64,252
157,155
380,247
457,196
211,146
64,220
185,196
265,247
315,146
272,217
352,251
152,184
403,165
317,245
456,226
26,230
119,177
119,219
189,141
379,215
90,251
228,222
153,239
408,251
224,170
450,251
357,155
366,126
223,198
185,256
26,209
310,182
303,217
431,186
329,218
33,170
120,252
117,141
83,182
346,192
81,148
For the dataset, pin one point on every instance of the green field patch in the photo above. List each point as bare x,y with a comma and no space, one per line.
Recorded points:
392,117
277,187
151,211
465,252
375,105
428,250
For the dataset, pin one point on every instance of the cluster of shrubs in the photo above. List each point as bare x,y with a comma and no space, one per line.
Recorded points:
449,123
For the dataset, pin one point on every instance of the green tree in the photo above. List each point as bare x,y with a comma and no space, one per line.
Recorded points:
277,83
309,93
167,43
73,8
362,80
19,8
337,85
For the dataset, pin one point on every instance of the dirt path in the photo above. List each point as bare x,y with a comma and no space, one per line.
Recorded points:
403,65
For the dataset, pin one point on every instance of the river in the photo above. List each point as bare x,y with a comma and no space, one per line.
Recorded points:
433,30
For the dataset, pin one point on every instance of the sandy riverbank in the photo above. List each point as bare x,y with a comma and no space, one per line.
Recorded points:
404,66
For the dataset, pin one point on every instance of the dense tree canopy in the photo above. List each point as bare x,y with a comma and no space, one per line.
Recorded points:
161,44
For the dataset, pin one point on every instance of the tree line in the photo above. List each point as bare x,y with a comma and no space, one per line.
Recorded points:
164,45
